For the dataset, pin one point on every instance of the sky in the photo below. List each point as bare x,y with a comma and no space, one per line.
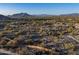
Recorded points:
39,8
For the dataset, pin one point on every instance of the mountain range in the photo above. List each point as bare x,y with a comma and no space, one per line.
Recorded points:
2,17
19,15
72,14
25,15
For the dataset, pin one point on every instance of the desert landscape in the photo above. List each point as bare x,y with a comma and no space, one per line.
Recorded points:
53,29
38,35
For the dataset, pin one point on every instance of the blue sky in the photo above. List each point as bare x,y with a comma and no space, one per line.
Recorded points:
39,8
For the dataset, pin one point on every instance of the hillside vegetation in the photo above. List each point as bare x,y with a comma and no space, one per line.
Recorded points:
48,35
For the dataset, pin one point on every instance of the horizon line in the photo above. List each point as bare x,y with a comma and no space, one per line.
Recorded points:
40,14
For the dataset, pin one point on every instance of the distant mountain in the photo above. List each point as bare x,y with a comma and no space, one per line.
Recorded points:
2,17
19,15
43,15
26,15
72,14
